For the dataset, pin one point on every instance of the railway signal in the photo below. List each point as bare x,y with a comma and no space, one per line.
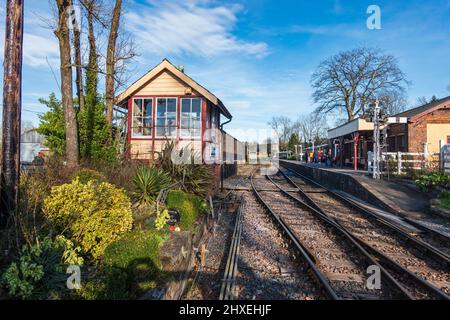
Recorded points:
380,124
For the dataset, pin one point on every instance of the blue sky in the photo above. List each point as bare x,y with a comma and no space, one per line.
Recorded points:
256,55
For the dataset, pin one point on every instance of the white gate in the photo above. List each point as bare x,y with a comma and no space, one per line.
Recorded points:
445,158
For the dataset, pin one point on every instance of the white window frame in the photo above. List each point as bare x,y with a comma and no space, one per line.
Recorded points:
133,136
156,117
190,136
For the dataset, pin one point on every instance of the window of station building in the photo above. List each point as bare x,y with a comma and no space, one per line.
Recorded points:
166,117
142,114
191,120
401,143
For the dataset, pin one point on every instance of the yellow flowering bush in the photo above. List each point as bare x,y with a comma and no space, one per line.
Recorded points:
90,214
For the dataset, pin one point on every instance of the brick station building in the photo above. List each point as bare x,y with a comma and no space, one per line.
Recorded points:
427,125
426,128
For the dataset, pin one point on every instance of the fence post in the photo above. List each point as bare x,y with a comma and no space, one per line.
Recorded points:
425,156
399,162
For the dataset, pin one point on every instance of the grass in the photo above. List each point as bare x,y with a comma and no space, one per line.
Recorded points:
444,200
190,207
133,264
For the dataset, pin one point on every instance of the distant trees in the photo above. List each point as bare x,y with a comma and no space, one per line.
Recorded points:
423,100
393,102
348,81
307,129
283,128
312,128
294,141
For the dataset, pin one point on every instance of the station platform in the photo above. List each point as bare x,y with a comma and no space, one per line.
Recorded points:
397,198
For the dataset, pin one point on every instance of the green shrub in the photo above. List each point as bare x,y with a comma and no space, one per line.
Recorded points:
444,200
94,134
92,215
148,182
86,175
32,192
190,207
161,219
40,272
440,179
192,176
92,290
133,264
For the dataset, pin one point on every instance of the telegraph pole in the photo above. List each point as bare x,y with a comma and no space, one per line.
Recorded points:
12,100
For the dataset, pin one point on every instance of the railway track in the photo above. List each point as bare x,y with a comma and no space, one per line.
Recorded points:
260,264
421,267
339,262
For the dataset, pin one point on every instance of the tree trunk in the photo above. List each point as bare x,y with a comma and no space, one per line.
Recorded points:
92,69
91,80
111,61
78,63
12,99
71,127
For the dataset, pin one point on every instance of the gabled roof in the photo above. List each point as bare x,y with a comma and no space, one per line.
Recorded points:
415,113
167,65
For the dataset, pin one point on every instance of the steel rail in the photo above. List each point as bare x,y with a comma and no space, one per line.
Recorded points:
373,250
439,255
330,221
228,288
320,277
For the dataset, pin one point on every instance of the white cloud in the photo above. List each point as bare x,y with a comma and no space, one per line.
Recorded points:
37,49
192,27
39,44
239,104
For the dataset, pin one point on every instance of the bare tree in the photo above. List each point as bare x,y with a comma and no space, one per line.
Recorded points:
393,102
78,61
111,61
423,100
92,67
311,128
71,126
283,127
347,81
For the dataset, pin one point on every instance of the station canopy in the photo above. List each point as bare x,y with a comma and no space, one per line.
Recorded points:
350,127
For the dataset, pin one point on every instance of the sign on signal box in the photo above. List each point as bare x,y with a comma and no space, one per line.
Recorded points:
397,120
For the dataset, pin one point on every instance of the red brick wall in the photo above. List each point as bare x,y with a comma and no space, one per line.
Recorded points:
394,131
417,131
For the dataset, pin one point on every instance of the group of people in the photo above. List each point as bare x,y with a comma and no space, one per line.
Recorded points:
319,156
